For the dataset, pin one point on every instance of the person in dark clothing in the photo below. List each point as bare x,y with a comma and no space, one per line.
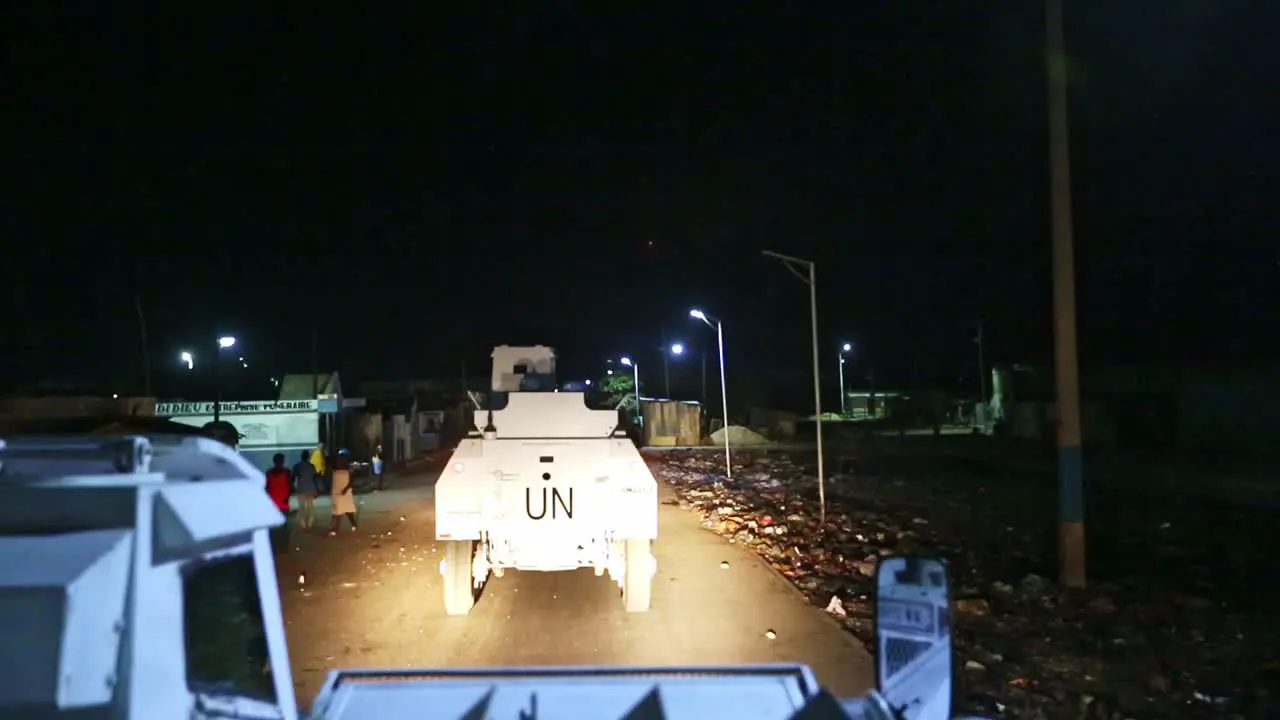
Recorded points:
307,483
279,488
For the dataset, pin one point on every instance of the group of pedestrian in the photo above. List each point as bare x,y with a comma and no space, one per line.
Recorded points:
312,476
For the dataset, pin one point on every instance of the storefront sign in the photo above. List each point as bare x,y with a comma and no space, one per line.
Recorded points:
170,409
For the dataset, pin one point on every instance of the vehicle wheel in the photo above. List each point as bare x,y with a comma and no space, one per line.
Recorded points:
637,584
459,593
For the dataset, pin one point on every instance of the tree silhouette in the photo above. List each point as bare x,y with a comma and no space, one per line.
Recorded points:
619,389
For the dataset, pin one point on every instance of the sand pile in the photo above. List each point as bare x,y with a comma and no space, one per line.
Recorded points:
739,435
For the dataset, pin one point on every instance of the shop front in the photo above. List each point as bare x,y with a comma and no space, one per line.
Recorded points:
265,427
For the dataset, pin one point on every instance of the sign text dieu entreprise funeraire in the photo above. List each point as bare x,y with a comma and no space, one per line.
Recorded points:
235,408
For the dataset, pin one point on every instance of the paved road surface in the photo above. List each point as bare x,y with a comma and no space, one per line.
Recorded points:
372,598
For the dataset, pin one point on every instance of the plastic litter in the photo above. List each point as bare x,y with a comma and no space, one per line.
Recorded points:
1171,626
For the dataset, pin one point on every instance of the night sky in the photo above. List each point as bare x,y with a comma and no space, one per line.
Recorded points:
427,181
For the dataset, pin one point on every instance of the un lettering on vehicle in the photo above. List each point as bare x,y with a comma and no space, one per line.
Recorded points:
548,503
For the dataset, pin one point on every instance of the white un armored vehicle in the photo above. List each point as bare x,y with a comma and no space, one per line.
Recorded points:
544,483
137,583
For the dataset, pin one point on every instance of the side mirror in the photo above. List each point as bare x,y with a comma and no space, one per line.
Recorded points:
913,636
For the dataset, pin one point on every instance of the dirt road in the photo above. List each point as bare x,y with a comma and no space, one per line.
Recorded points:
372,598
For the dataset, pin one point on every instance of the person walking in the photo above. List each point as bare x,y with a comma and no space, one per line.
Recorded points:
376,462
306,482
318,462
279,488
342,493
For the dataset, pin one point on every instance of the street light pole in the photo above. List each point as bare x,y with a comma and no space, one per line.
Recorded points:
635,368
724,400
704,377
676,349
842,402
666,367
666,376
843,349
788,261
1071,537
217,386
224,342
724,391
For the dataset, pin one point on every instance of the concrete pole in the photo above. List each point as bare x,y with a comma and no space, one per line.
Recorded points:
1071,535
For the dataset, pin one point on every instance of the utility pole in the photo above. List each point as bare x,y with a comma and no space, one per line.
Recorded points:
666,367
1071,537
812,282
982,365
873,410
134,275
315,361
315,380
142,338
704,378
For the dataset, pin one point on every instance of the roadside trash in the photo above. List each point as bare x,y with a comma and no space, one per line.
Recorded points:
1170,626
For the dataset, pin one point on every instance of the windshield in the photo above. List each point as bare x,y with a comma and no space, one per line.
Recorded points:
225,636
592,398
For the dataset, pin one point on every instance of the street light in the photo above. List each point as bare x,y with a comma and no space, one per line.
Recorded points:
790,263
187,359
845,348
224,342
724,393
635,367
677,349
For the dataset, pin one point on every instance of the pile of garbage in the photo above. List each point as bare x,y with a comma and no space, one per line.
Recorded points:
1174,622
738,435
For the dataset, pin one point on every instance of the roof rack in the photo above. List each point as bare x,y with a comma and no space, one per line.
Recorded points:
177,457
